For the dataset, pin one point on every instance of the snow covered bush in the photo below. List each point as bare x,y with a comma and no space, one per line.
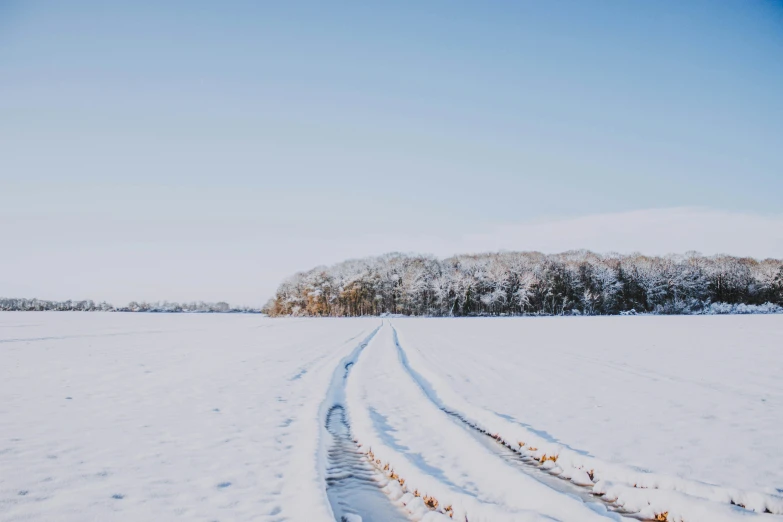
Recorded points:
742,308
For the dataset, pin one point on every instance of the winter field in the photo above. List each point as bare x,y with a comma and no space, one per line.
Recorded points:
138,417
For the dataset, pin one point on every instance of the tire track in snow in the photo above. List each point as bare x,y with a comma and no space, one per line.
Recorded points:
435,467
353,486
505,451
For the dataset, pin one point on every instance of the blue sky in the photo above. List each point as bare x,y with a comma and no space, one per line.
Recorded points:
149,148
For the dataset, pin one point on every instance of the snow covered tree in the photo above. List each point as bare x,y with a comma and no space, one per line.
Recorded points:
575,282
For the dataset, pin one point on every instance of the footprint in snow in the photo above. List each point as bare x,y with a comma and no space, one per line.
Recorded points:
223,485
118,496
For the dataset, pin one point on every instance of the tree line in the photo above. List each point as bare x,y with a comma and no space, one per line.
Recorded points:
532,283
39,305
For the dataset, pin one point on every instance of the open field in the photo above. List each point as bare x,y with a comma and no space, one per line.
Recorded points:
239,417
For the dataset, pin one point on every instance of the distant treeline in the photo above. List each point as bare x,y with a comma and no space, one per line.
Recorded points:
38,305
522,283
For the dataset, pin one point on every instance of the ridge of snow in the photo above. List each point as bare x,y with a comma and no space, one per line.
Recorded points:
650,494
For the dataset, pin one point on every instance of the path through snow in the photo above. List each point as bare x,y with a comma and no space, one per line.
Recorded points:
204,417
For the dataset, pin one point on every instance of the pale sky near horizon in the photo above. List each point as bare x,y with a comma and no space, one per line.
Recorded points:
203,150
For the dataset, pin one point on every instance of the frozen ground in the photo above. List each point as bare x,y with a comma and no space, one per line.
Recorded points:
693,397
164,417
688,408
236,417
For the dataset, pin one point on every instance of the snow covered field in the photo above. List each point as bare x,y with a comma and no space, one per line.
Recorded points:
238,417
163,417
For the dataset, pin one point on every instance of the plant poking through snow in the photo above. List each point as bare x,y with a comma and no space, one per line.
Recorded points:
386,468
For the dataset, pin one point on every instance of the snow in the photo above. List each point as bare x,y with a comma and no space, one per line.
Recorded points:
223,417
686,404
394,418
164,417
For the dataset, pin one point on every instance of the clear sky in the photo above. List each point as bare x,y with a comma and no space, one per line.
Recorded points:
205,150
